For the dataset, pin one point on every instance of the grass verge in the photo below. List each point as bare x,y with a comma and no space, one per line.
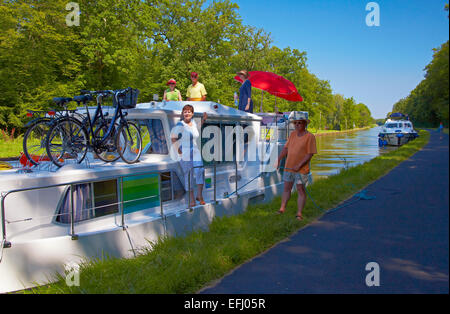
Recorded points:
186,264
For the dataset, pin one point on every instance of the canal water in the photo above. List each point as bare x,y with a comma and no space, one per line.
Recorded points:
338,151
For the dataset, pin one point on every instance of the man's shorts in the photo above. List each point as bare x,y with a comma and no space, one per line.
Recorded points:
297,177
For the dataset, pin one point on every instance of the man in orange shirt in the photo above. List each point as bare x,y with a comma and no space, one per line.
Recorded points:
299,149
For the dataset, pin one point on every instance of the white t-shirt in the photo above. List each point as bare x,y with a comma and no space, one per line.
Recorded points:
188,141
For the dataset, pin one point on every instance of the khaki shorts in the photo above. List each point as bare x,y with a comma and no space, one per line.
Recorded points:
297,177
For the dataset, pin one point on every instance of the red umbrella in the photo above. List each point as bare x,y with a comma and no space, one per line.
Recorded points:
273,84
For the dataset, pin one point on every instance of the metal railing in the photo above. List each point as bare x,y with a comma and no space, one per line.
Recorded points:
214,165
74,236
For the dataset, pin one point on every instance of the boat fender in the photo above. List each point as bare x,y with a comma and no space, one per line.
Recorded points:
400,135
380,142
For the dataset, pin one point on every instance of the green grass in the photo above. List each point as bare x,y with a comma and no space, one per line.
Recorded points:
187,264
11,148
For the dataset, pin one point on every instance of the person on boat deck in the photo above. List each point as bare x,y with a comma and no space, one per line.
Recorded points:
245,92
184,137
196,91
172,94
299,149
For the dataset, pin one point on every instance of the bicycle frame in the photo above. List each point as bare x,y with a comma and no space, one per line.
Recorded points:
98,116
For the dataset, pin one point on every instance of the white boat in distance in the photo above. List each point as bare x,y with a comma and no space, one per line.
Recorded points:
396,131
54,217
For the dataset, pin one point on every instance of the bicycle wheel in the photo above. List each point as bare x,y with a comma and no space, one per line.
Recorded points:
129,142
34,141
107,151
67,142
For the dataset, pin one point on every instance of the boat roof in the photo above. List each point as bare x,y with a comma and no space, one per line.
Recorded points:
397,121
210,107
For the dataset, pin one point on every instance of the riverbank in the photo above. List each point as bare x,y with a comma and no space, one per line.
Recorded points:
337,132
186,264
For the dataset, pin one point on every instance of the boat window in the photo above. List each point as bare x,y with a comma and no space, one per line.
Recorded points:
177,186
267,133
391,125
91,200
153,137
171,187
400,125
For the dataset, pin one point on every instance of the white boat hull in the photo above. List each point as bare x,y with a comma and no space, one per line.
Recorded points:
31,263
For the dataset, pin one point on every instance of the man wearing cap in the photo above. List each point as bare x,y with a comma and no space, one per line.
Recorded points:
299,149
172,94
196,91
245,92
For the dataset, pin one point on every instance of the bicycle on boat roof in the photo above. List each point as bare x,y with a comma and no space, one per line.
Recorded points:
69,140
34,145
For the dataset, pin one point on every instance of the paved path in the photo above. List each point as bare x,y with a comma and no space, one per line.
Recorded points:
405,230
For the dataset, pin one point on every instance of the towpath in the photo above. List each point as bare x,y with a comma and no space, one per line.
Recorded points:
405,230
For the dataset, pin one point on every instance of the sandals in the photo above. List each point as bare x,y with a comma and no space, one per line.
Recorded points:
298,217
201,202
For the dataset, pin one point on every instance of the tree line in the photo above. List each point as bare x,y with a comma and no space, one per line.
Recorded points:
428,104
142,44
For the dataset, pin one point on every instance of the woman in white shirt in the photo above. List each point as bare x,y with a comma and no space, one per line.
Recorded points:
190,153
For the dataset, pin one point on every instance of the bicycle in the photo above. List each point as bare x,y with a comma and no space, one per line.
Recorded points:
70,139
34,146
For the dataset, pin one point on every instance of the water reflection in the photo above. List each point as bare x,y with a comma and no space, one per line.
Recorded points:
335,152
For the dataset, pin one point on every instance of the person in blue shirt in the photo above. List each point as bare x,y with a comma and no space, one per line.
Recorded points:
245,92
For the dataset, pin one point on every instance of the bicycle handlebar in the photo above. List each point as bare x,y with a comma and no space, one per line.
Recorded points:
115,93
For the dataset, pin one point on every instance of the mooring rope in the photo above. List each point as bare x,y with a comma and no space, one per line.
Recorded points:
360,196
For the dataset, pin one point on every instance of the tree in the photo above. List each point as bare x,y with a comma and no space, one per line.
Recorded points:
142,44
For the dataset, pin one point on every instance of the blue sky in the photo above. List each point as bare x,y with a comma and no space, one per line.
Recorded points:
375,65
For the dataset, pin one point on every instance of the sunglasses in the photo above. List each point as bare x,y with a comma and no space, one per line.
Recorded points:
299,122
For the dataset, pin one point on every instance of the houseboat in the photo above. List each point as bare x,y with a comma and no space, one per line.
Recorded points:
54,217
396,131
